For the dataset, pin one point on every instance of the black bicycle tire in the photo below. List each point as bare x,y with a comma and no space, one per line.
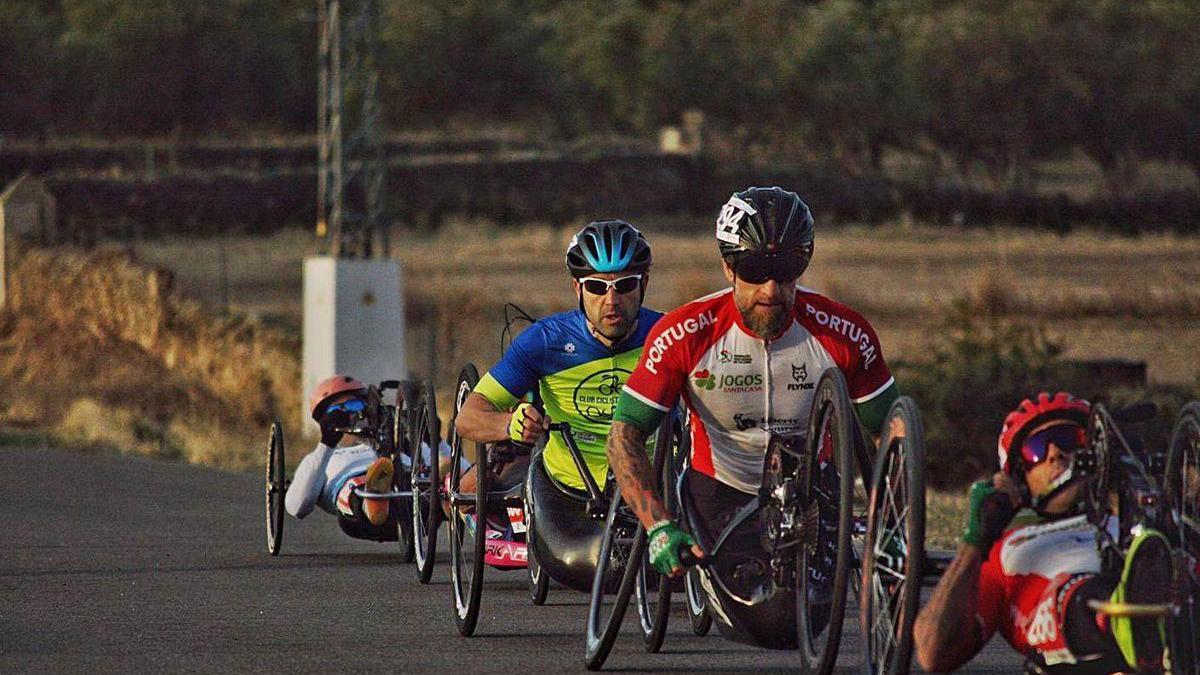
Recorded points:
1185,625
467,601
654,619
599,642
427,515
406,401
831,393
539,580
906,441
275,470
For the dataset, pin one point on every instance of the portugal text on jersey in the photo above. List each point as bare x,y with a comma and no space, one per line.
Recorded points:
738,387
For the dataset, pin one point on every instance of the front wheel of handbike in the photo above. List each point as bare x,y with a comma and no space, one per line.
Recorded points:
653,590
425,481
825,477
1183,491
468,518
894,551
621,552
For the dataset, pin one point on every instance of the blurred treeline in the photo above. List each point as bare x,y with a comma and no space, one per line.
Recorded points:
989,86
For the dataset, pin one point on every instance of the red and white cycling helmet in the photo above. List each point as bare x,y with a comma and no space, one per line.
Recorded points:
330,387
1030,414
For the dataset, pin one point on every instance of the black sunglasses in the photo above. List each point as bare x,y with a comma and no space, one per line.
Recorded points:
784,267
597,286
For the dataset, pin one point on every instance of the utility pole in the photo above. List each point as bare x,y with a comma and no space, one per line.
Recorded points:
353,290
351,166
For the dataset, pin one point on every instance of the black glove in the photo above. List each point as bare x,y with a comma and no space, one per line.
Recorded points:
330,436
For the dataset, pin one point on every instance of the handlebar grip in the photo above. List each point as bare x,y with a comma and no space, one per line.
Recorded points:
690,559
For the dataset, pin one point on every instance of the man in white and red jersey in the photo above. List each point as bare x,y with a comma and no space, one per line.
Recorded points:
1030,577
746,361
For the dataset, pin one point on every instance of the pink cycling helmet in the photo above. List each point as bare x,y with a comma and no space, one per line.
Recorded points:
1029,414
330,387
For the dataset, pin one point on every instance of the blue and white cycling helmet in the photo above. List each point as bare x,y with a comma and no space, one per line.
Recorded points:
608,246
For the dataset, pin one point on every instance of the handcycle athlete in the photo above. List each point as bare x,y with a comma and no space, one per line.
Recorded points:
334,477
746,361
1029,565
577,361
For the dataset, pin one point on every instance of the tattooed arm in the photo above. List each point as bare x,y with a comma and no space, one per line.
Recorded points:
631,466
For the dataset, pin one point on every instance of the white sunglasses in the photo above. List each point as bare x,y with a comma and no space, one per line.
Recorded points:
597,286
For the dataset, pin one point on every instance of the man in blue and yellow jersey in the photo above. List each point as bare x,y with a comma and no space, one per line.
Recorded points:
578,360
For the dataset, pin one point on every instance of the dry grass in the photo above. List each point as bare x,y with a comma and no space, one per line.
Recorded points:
1104,296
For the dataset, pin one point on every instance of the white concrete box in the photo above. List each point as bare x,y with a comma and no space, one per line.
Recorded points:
353,321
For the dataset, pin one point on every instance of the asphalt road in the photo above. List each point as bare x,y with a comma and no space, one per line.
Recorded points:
116,563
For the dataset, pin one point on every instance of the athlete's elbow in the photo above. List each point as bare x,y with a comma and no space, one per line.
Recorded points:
934,654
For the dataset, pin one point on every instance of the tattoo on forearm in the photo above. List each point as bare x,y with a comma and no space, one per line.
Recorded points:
634,474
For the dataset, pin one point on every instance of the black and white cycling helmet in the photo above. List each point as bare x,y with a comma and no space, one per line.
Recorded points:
608,246
765,220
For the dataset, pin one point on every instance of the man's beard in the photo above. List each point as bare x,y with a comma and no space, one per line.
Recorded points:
764,324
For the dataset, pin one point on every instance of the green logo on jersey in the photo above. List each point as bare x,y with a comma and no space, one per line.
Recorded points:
596,396
704,379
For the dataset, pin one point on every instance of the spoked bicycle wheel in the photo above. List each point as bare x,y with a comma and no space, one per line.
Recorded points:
825,476
425,481
621,552
276,487
406,409
652,589
1183,492
468,517
895,543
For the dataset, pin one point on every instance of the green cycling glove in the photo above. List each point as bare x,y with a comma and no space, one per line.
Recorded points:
665,540
991,511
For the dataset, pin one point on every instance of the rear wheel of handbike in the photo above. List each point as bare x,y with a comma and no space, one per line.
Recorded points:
468,526
825,476
621,552
895,543
275,488
425,481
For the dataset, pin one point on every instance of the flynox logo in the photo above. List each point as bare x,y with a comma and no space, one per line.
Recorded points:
704,380
849,329
800,375
674,334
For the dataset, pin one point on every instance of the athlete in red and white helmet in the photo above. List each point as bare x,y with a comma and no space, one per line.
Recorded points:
1028,562
329,475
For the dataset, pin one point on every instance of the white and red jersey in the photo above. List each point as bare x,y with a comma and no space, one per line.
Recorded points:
739,388
1027,579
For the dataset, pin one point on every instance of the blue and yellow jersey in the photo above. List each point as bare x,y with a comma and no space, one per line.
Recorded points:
579,380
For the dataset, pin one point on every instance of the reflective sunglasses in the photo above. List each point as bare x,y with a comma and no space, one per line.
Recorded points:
624,285
1066,437
784,267
354,405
